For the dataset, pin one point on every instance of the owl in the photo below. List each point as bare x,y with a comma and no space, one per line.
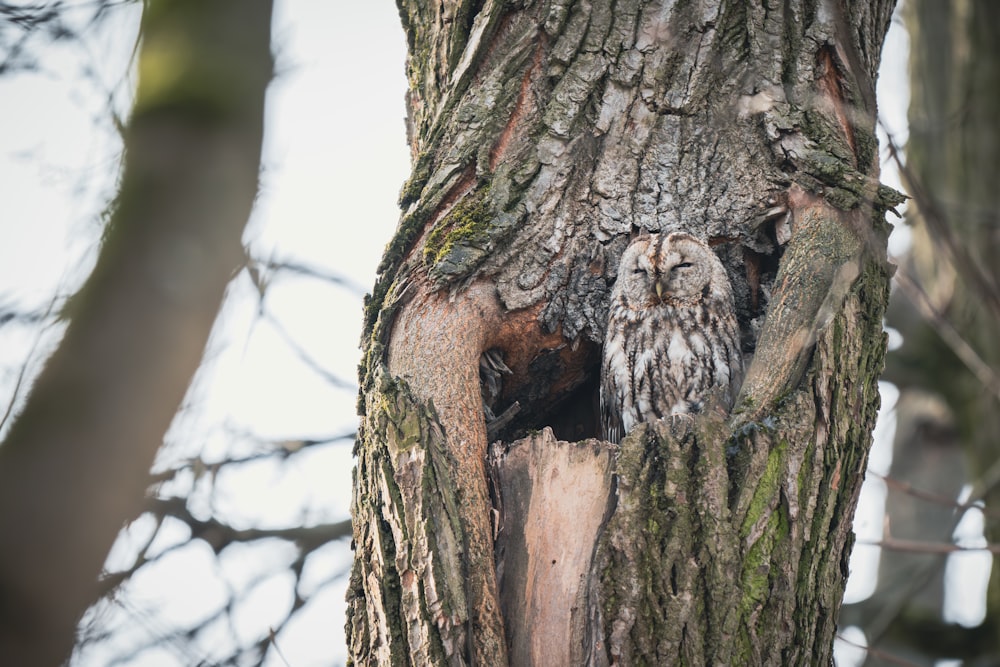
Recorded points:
672,334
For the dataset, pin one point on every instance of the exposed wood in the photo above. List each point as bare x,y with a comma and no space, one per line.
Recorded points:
553,499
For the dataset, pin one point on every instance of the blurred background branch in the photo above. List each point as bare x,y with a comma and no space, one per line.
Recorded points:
73,464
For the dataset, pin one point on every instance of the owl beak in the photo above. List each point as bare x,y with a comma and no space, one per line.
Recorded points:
659,289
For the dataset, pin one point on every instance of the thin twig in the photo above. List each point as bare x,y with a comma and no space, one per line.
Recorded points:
278,449
876,653
307,358
983,372
22,373
960,258
272,637
907,488
921,547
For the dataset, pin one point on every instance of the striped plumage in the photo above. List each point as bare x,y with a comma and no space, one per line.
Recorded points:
672,333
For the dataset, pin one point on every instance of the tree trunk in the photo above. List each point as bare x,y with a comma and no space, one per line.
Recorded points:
544,134
74,467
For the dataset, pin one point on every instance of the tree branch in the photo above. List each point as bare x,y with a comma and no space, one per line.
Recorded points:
74,466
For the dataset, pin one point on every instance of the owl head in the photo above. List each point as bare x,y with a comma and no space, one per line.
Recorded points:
674,268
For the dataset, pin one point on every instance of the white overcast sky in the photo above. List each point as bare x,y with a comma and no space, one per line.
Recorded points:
334,159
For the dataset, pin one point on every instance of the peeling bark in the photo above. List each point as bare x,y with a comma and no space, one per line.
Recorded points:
544,135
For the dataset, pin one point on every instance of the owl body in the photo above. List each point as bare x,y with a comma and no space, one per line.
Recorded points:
672,334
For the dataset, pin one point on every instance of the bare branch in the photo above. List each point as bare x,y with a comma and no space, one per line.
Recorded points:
138,327
22,375
11,315
876,653
910,490
276,449
983,372
219,535
921,547
272,639
307,358
961,259
291,266
308,541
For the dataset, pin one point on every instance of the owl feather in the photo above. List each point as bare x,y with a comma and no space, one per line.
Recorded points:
672,335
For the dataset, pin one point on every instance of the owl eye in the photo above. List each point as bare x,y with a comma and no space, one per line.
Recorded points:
636,272
684,265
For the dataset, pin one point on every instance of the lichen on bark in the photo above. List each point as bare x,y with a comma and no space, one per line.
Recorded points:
405,505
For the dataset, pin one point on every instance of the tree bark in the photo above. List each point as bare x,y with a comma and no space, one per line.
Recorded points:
75,464
544,134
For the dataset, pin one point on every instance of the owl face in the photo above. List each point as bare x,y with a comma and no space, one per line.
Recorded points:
672,336
664,269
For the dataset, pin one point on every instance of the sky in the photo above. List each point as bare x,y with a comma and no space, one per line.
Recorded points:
334,159
335,156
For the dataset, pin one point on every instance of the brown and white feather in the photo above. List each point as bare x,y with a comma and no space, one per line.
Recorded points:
666,349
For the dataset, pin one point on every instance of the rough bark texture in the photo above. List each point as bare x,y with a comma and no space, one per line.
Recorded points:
948,312
544,134
74,467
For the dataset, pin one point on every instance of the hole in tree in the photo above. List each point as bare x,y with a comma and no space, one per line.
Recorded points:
557,387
